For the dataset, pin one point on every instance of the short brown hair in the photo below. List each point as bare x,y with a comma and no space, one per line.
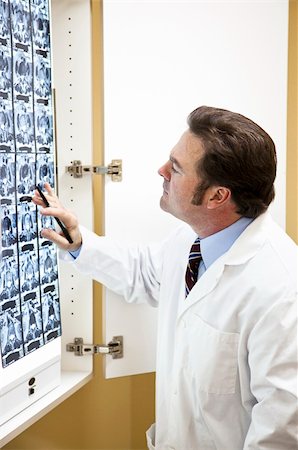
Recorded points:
238,154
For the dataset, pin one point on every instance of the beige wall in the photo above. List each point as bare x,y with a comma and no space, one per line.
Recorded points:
114,414
292,141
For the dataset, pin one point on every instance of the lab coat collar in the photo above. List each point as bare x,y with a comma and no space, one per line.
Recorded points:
215,245
250,241
243,249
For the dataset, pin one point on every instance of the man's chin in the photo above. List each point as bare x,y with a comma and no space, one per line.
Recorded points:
163,204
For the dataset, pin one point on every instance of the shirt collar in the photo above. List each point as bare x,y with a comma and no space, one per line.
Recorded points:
215,245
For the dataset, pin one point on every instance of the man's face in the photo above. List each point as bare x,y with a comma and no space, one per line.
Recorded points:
181,179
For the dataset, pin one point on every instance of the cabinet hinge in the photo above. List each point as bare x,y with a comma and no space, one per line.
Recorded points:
77,170
114,348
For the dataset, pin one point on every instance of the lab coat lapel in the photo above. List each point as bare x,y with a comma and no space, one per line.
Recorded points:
205,285
244,248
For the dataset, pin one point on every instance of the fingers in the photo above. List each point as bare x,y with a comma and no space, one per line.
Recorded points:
48,188
56,210
60,240
70,222
67,217
49,195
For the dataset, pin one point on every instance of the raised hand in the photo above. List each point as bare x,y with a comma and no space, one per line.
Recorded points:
68,218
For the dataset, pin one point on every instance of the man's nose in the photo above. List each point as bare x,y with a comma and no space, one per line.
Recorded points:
164,171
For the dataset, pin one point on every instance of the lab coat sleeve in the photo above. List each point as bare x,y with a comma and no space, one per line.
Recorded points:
272,359
132,271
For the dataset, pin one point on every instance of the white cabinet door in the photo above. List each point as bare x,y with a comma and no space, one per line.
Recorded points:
71,50
162,59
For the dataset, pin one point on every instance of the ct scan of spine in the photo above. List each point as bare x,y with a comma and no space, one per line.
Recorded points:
29,292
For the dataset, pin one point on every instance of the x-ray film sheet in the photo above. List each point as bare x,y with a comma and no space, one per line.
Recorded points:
29,291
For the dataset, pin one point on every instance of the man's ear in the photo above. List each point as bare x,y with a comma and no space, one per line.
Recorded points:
218,196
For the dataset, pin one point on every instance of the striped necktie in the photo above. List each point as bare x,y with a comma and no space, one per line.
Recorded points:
192,269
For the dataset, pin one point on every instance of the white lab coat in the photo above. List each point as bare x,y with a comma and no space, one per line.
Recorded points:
226,372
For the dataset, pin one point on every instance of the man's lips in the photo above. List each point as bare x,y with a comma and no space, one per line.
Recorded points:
164,189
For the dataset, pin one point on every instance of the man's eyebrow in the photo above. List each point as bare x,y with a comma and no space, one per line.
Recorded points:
175,161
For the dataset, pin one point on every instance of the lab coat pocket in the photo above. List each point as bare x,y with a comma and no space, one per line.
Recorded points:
212,357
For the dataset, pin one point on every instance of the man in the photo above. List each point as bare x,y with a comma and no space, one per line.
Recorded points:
225,285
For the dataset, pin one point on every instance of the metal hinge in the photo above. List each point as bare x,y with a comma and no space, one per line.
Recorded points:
114,348
77,170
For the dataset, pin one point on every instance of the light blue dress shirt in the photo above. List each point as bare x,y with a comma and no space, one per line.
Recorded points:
215,245
76,253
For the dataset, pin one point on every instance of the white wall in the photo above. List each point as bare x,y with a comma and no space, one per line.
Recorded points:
162,59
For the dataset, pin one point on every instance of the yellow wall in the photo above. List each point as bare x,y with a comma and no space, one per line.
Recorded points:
114,414
292,141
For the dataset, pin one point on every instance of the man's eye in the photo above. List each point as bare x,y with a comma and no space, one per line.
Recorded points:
174,170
